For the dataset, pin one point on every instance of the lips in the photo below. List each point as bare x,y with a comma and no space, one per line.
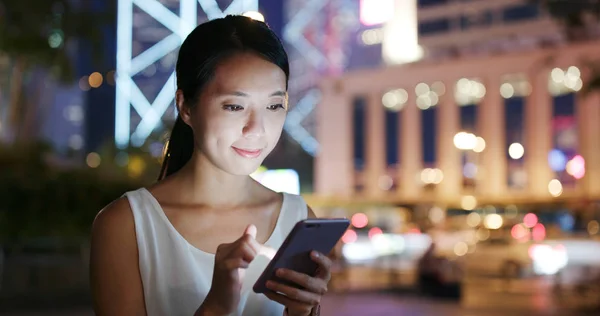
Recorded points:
247,153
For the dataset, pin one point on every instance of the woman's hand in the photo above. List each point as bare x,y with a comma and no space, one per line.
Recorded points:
231,260
301,302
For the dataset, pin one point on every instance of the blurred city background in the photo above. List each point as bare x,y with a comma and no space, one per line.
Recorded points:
462,138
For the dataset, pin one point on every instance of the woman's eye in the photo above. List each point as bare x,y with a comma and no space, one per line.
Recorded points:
232,107
275,107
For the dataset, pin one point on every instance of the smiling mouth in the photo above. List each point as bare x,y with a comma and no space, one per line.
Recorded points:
247,153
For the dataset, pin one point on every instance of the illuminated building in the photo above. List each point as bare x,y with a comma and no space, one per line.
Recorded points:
483,61
58,109
149,33
65,115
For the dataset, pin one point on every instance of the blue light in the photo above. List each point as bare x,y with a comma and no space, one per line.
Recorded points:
566,221
557,160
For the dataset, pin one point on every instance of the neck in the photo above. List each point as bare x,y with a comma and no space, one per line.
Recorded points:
204,183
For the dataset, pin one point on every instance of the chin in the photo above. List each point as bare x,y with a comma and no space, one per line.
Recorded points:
242,171
244,168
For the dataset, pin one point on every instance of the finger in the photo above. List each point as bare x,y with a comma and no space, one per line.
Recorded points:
235,263
294,293
314,285
288,302
324,270
249,237
237,266
251,230
224,251
244,251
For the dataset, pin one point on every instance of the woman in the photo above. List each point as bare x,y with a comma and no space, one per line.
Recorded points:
191,244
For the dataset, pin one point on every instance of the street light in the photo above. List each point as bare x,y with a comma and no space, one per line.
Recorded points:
255,15
479,144
465,141
555,187
516,151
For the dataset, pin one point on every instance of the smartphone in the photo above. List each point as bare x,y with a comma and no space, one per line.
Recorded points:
314,234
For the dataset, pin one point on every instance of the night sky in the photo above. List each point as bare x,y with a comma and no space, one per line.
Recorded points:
100,109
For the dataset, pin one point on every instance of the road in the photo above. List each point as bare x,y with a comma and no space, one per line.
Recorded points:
481,302
360,295
377,305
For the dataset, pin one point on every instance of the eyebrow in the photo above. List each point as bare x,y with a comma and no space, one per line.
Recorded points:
242,94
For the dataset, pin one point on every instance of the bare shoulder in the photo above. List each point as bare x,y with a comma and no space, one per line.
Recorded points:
116,216
114,270
113,231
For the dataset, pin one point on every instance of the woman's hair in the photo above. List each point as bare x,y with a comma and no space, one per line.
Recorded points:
205,47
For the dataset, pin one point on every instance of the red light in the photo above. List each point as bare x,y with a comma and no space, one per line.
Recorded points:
414,231
360,220
576,167
349,237
530,220
538,232
518,231
375,231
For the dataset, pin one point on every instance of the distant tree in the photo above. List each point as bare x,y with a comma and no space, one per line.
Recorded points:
578,17
38,34
580,20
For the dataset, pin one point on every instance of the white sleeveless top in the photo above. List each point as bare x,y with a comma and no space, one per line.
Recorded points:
176,276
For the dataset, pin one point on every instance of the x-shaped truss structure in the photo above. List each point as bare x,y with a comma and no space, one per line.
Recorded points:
138,51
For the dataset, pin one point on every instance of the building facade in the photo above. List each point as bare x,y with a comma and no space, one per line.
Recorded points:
492,113
546,74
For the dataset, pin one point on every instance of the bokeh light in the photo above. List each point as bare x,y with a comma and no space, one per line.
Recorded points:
520,232
516,151
557,160
255,15
461,248
432,176
555,187
468,202
470,170
95,80
473,219
436,215
483,234
479,144
360,220
538,232
576,167
465,141
375,231
349,236
394,100
93,160
84,84
493,221
530,220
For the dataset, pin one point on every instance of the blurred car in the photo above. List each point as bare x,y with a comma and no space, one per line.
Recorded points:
510,258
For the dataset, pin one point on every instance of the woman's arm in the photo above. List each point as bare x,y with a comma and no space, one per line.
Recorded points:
114,270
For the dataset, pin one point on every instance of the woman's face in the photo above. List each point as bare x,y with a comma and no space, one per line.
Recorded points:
240,113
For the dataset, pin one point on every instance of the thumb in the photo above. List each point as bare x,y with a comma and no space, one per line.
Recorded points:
251,230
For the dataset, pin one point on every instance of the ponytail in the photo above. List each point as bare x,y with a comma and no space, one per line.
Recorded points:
180,148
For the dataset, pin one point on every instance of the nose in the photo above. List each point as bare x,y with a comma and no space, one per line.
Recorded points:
254,127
